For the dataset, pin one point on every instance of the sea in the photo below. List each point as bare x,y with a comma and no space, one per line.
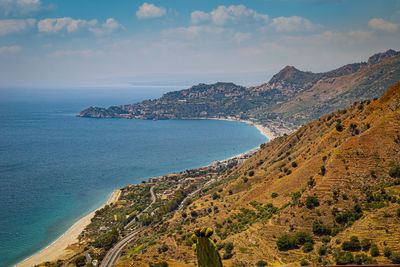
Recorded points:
56,168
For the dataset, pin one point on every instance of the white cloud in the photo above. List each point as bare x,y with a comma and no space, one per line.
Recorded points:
223,15
294,23
76,53
241,36
192,32
108,27
199,16
383,25
55,25
360,34
150,11
22,7
10,49
9,26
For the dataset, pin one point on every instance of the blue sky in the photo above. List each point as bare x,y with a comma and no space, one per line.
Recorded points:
104,43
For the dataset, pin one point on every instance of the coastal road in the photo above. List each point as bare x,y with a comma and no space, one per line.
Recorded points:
195,192
114,253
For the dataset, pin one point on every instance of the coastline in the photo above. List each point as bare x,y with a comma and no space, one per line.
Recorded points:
264,130
59,248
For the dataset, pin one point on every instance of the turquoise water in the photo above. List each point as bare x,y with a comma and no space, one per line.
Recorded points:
55,168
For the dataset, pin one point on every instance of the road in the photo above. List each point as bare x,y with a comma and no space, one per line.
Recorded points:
114,253
195,192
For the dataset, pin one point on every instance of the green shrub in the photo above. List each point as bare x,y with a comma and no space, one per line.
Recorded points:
387,252
319,229
325,239
251,173
398,212
163,248
261,263
312,202
193,213
307,247
323,170
374,250
215,196
395,258
339,127
344,258
304,262
395,172
227,255
245,179
303,237
366,244
286,242
274,195
294,164
80,261
352,245
229,247
322,250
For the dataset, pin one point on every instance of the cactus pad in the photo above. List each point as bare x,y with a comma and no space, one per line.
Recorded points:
206,250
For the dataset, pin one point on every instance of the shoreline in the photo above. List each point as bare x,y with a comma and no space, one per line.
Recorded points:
264,130
58,249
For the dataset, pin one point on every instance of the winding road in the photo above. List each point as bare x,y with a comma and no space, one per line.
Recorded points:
114,253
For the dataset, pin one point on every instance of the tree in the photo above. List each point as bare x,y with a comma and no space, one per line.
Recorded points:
352,245
339,127
308,246
261,263
395,172
311,202
80,261
387,252
374,250
366,244
286,242
395,258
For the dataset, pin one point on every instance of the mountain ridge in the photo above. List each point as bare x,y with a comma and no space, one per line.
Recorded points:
291,98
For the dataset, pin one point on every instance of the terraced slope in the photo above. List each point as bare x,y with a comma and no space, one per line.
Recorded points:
334,178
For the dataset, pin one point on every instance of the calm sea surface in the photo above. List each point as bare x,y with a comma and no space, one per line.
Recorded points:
55,168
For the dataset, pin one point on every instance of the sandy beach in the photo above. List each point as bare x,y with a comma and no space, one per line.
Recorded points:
263,129
58,249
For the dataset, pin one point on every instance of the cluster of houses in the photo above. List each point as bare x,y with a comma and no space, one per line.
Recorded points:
199,174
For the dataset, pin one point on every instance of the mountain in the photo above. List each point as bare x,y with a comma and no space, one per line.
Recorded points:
329,193
290,99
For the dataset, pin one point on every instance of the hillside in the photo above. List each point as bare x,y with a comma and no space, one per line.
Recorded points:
290,99
333,186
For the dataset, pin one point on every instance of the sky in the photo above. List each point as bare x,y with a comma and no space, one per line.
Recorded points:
131,43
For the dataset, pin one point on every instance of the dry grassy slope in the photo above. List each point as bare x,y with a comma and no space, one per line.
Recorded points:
349,162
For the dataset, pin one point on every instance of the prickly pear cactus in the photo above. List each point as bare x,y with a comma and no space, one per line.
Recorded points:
206,250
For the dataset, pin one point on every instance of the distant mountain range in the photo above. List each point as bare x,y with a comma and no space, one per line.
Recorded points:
290,99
